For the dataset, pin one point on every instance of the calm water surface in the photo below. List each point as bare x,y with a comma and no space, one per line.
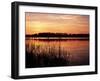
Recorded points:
76,50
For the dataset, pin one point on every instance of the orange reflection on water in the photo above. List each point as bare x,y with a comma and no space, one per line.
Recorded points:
76,50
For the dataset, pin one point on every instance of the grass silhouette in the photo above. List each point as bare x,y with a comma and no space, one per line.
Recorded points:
37,57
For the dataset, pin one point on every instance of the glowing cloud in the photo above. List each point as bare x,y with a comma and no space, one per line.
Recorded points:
56,23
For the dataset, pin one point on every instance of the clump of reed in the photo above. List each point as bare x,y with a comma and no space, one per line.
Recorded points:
49,56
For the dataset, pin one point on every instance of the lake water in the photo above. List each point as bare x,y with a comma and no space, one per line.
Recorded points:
75,50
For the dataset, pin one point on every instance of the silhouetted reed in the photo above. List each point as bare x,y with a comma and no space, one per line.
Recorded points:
37,56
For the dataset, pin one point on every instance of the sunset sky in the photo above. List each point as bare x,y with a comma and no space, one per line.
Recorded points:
56,23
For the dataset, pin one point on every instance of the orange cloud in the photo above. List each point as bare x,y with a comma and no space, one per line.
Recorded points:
59,23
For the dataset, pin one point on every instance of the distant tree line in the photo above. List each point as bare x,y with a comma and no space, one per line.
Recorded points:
57,35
